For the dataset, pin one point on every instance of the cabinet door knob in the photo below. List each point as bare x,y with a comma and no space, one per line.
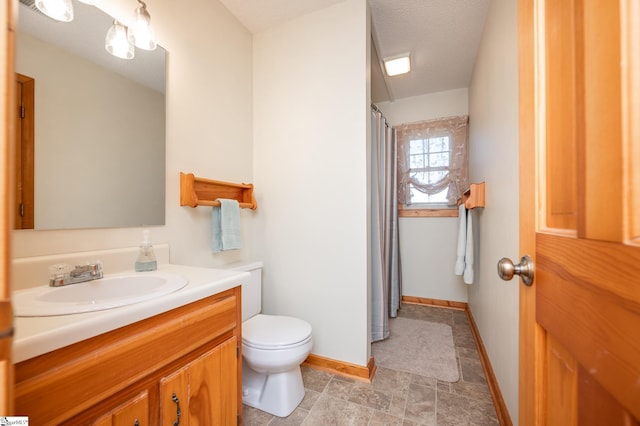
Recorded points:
175,399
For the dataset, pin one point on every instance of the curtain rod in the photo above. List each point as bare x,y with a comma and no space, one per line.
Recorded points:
376,109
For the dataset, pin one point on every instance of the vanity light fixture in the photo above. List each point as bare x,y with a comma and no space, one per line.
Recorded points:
143,34
119,41
396,65
60,10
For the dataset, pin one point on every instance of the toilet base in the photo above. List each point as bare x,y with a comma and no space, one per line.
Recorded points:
278,394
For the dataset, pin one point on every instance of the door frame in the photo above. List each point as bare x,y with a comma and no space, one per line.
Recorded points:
7,112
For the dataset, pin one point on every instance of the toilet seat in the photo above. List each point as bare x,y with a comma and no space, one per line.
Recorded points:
273,332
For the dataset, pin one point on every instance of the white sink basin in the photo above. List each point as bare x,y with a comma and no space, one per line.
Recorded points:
106,293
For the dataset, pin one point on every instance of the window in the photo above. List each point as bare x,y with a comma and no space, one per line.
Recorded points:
429,163
432,162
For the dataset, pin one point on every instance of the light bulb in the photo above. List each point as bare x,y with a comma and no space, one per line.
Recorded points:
119,41
143,34
60,10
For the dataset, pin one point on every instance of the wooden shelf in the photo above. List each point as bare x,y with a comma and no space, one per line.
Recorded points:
195,191
473,197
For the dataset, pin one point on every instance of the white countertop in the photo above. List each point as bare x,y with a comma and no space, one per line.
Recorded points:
38,335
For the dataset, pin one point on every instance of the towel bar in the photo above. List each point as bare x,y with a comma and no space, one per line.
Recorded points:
196,191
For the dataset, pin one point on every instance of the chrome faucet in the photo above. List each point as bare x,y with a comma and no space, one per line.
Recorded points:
62,274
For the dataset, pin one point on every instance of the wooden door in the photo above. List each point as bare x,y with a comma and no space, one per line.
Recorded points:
7,111
579,73
24,153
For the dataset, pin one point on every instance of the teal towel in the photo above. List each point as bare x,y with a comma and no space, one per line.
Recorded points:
225,226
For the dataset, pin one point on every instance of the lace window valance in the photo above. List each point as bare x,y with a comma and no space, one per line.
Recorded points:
432,157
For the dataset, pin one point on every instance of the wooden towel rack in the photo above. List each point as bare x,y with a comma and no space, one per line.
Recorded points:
195,191
473,197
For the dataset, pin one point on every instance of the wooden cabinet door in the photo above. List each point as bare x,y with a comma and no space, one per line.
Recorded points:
104,421
205,390
174,398
213,385
134,412
580,211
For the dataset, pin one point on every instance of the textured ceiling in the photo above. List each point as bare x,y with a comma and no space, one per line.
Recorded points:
259,15
442,37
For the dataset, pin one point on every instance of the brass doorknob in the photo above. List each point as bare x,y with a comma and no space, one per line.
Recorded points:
506,269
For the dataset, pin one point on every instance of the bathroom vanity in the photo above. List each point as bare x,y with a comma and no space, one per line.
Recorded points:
177,365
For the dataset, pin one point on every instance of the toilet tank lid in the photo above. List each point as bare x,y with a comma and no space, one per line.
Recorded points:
275,331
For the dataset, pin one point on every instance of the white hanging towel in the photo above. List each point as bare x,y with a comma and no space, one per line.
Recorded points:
468,254
462,239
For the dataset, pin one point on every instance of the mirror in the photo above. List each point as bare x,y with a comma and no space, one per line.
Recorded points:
99,123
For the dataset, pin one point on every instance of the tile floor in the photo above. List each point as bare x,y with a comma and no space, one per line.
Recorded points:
396,397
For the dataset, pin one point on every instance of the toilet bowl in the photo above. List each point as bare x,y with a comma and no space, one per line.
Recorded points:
273,347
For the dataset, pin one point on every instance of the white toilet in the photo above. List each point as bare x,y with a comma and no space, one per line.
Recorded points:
273,347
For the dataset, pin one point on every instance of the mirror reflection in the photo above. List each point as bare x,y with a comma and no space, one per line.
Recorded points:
98,126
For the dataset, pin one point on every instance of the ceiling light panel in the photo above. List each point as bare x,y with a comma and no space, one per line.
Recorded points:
397,65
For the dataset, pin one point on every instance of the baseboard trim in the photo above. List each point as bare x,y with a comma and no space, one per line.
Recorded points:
341,368
435,302
492,382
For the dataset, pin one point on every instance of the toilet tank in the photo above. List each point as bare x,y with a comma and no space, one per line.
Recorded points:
251,289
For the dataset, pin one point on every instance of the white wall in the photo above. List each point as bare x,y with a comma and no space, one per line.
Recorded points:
493,112
428,245
449,103
310,165
209,131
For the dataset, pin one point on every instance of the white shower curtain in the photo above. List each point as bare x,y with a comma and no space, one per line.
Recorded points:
385,251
